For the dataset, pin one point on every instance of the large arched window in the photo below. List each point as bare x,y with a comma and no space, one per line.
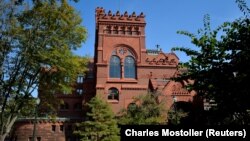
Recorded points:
115,67
113,94
129,67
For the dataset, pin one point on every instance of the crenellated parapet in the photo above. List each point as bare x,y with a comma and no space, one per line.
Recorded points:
120,24
101,15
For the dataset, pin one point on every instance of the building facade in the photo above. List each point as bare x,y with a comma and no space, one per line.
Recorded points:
125,68
122,68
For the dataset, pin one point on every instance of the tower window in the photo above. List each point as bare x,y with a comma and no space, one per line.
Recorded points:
115,67
61,128
129,67
113,94
53,128
122,64
38,138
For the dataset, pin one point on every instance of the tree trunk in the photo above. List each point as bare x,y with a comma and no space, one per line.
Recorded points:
2,137
9,126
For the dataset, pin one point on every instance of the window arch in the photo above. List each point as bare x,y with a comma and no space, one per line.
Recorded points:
115,67
113,94
129,67
132,106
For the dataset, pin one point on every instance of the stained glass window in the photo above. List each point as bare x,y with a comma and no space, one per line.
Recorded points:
115,67
129,67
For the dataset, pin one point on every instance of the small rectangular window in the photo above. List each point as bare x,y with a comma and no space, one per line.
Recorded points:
66,79
80,79
61,128
38,138
79,91
53,128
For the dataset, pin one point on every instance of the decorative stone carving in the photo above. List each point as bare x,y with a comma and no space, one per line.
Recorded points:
122,51
161,61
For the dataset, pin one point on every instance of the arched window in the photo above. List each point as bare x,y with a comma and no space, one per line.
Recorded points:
132,107
115,67
129,67
113,94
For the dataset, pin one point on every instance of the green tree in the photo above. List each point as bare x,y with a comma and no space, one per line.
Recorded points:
101,125
145,109
35,46
175,116
219,67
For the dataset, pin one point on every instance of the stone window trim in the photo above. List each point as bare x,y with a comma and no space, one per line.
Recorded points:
122,80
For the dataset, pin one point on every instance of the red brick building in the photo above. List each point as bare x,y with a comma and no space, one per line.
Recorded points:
125,68
122,68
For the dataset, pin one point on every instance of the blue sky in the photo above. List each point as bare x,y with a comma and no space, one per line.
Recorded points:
163,17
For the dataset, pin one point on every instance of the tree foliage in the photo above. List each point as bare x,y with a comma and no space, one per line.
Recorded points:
175,116
144,110
35,47
219,67
101,125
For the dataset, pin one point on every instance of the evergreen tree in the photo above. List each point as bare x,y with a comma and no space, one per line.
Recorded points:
101,125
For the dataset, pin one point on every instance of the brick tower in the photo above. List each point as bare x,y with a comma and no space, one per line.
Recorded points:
124,67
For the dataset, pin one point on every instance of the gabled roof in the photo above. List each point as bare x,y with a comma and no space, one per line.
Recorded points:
158,83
